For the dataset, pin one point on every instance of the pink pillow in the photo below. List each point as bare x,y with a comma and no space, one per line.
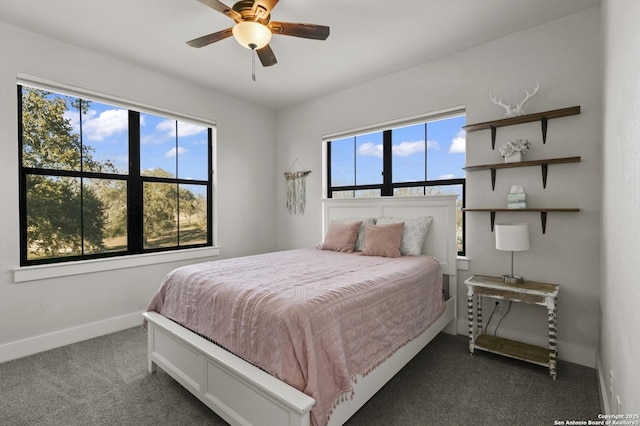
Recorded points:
341,236
383,240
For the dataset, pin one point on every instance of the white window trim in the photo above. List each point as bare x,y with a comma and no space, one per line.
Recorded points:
67,89
401,122
65,269
407,121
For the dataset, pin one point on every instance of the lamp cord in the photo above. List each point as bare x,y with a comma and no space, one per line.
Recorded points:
495,330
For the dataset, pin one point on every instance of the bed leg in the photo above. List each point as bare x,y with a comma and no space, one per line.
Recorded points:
151,366
151,343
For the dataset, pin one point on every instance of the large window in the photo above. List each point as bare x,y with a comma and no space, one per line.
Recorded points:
421,157
100,180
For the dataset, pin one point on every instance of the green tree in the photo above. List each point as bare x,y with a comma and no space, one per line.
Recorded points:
70,214
169,208
113,195
160,208
56,224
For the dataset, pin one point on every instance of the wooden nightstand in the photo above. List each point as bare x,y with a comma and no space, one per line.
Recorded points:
531,292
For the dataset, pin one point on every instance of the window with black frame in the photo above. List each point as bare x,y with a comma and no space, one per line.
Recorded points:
100,180
421,157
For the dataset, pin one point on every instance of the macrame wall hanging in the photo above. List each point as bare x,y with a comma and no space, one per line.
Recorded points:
296,197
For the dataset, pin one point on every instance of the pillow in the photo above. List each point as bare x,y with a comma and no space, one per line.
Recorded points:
363,227
341,236
414,234
383,240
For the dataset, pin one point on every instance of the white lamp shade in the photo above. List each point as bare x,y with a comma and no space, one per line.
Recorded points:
512,237
251,33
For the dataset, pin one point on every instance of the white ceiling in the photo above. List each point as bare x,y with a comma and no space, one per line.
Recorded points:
369,38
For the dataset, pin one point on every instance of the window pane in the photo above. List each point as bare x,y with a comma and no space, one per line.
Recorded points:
408,153
369,159
447,147
343,162
409,191
342,194
105,215
49,137
160,215
75,162
367,193
193,214
53,217
158,147
105,137
192,151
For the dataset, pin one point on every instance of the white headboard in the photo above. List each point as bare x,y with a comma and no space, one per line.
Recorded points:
441,239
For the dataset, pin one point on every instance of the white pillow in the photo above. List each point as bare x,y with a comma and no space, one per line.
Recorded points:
414,233
361,234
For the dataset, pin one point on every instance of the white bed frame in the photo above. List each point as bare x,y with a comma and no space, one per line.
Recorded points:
245,395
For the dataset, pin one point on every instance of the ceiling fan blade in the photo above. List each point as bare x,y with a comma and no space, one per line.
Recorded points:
267,58
210,38
222,8
316,32
264,7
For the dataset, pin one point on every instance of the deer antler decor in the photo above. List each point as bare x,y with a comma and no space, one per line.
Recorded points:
518,110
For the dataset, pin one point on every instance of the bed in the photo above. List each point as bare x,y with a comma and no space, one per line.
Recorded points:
244,394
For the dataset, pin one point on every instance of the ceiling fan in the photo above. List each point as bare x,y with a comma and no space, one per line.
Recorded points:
253,28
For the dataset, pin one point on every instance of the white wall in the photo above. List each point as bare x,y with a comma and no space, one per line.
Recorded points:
44,313
564,57
620,293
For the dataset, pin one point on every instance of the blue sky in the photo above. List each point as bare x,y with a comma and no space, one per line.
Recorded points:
105,129
444,143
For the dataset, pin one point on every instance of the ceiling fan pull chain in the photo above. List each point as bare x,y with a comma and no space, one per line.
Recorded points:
253,61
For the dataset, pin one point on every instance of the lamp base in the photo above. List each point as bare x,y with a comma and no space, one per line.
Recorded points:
512,279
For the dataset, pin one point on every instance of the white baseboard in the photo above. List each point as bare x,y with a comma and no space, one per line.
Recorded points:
33,345
571,352
604,391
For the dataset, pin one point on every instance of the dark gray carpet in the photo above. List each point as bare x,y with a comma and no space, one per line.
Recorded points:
104,381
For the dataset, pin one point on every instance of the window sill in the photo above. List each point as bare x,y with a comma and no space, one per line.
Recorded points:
40,272
463,263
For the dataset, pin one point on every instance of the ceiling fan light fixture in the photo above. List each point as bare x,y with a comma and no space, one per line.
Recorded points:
252,35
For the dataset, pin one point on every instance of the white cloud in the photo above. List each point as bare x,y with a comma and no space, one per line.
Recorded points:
173,152
403,149
370,149
167,126
96,127
184,129
447,176
459,143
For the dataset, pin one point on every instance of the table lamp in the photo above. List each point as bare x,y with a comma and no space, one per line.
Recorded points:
512,237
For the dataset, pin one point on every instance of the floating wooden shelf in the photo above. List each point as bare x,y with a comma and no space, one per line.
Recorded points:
543,213
543,163
543,117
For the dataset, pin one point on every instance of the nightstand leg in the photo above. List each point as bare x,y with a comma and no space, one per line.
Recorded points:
553,348
470,318
480,327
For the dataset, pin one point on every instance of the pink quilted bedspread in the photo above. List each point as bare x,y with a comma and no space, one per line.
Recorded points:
312,318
